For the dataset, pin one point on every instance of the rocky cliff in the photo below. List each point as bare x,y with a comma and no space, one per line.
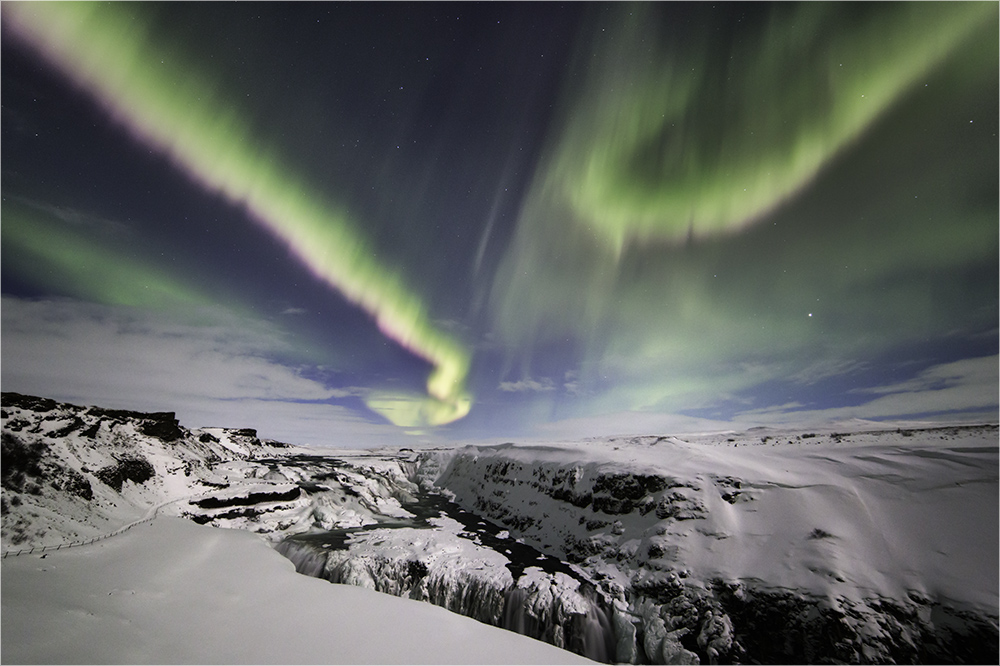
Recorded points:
793,549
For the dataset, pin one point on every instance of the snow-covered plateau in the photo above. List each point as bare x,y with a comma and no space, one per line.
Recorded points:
860,543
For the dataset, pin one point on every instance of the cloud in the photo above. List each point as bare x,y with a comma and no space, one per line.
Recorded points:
969,384
213,369
71,347
628,423
350,392
966,389
827,368
308,424
527,384
976,373
78,218
571,383
294,311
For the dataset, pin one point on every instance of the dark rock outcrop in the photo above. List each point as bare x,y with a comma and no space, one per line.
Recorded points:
249,500
30,402
162,425
135,469
27,467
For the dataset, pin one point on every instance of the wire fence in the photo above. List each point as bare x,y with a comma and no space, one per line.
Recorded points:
73,544
150,515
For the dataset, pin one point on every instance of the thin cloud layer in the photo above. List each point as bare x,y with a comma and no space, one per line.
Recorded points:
218,371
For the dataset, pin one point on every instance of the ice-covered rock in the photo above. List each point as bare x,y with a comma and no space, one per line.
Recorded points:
626,645
865,519
556,608
443,568
716,635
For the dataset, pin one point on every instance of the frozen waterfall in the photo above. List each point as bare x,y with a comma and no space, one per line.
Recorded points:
552,607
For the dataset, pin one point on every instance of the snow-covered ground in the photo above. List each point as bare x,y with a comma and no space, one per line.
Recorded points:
890,512
857,542
174,592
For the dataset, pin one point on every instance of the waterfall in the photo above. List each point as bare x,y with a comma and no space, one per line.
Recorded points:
596,635
575,620
554,608
307,559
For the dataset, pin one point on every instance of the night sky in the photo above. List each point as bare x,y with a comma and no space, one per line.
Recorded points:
388,223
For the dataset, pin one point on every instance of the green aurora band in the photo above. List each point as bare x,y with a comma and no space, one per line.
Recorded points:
638,250
669,146
172,105
56,256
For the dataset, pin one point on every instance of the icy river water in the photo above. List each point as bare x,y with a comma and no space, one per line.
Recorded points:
476,528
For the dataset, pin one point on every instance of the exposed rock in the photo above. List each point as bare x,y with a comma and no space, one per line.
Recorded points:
20,460
679,507
249,499
876,630
75,423
135,469
29,402
25,467
163,426
622,493
73,482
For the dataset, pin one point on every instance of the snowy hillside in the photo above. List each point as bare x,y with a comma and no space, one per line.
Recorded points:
77,472
853,515
859,543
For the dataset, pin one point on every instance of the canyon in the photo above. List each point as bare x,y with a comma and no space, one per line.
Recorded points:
858,542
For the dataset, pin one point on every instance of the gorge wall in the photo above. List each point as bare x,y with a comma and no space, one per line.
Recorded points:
770,547
663,543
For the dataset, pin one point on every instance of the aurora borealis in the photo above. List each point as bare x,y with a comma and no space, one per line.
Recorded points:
666,148
424,221
109,54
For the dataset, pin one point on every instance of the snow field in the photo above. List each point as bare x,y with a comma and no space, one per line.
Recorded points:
175,592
